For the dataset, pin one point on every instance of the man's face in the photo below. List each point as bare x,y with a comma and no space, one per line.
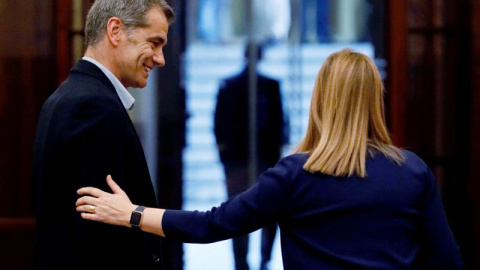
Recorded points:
142,50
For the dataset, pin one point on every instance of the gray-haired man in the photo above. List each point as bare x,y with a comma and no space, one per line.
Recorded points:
84,133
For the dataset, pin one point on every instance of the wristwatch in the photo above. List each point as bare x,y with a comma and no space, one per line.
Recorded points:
136,217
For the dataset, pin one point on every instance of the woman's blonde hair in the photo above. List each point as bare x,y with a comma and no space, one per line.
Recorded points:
347,118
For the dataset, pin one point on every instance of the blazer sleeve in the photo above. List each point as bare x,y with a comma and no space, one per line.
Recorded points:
255,208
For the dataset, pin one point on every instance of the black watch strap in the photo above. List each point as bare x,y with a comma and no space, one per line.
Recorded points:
136,217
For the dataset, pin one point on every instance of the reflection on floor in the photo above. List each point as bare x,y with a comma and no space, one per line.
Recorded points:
219,256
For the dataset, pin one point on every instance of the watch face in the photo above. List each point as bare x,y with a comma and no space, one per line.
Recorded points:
135,218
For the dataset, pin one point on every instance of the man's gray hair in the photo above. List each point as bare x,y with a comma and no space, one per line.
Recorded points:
131,12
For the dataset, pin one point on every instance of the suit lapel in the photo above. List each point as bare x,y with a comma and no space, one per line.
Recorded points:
91,69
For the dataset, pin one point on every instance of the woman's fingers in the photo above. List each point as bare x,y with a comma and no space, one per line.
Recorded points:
86,200
95,192
86,208
89,216
115,188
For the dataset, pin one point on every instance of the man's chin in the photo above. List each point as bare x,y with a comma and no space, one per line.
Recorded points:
135,84
141,84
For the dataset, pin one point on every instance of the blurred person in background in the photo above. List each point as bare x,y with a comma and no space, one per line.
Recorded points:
232,136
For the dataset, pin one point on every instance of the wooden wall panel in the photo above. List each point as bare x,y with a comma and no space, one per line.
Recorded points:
63,17
433,100
474,183
27,76
397,69
16,243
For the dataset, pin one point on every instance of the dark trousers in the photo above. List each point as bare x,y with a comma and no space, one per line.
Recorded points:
268,236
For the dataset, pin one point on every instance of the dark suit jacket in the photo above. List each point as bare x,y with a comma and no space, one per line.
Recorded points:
83,134
232,125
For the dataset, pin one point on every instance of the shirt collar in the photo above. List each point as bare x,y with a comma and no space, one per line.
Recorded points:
126,98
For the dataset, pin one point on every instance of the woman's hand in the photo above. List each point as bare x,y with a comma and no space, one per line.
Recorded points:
98,205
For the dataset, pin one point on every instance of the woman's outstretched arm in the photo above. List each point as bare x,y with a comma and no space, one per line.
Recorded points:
262,204
116,209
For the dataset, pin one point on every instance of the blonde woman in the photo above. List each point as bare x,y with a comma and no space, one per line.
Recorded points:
347,199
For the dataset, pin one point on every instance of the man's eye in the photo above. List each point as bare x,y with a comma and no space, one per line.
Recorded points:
157,43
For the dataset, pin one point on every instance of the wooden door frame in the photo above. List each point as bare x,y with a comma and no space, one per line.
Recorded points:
397,69
397,86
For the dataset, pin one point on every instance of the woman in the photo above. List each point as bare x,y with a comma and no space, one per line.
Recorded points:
347,199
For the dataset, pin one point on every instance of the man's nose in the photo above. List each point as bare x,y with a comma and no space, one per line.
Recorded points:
158,58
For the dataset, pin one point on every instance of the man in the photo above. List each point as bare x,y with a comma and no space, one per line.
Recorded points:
84,133
232,133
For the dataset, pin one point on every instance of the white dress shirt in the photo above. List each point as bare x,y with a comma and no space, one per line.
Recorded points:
126,98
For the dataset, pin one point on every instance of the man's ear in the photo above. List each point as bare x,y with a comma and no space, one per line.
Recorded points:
114,30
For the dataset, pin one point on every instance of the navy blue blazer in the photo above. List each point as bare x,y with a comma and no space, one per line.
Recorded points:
392,219
83,134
